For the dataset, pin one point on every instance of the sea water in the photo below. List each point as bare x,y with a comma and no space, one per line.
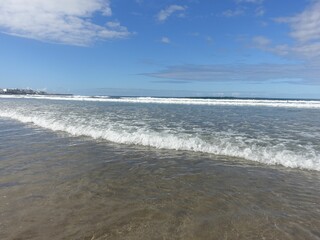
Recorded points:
83,167
274,132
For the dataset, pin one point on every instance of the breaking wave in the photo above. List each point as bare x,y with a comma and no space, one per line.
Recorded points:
219,144
187,101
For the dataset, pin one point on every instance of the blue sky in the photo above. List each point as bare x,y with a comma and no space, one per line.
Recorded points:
253,48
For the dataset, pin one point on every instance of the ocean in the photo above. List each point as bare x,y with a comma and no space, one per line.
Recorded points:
81,167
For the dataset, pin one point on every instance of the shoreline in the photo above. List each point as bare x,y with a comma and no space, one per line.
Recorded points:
55,186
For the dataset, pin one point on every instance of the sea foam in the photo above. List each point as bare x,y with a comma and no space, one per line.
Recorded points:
186,101
219,145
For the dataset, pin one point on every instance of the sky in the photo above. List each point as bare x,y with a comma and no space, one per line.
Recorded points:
238,48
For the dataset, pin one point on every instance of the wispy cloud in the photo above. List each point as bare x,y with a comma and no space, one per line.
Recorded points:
260,11
252,73
261,41
305,30
164,14
306,25
250,1
165,40
209,39
233,13
59,21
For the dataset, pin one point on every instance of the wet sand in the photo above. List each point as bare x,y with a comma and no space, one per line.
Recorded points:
53,186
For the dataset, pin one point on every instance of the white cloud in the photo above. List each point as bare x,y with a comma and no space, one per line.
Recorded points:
310,51
59,21
164,14
233,13
306,25
305,30
165,40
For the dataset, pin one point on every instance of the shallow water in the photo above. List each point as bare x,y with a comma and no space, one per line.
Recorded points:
55,186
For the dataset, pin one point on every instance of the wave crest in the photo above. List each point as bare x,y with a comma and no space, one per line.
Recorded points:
220,145
185,101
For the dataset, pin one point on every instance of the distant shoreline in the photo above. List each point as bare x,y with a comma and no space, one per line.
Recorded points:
47,94
30,92
19,91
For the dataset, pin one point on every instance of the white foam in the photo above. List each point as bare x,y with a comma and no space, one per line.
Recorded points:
187,101
220,144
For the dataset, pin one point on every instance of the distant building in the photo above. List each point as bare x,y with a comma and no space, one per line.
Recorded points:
21,91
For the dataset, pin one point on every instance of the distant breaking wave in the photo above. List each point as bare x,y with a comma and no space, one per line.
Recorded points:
312,104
